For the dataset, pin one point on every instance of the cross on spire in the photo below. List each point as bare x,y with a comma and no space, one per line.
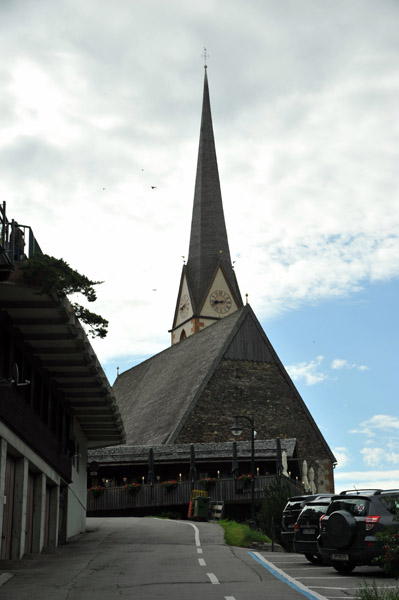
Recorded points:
205,56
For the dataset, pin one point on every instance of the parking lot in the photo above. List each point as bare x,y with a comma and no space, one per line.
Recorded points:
325,581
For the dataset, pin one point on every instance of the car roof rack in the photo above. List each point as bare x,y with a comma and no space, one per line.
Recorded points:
378,492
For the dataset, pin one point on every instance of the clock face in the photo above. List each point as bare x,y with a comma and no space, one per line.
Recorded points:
220,301
184,305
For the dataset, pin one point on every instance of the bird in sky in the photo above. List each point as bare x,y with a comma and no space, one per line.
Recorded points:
153,187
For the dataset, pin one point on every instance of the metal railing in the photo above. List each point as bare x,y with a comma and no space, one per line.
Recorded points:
17,242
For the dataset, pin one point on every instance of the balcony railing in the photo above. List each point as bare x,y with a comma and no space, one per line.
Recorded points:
17,242
147,496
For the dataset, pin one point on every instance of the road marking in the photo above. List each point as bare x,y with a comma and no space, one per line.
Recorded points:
199,550
323,578
197,536
229,598
213,578
202,562
4,577
296,585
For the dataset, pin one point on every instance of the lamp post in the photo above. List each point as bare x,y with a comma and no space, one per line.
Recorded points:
237,430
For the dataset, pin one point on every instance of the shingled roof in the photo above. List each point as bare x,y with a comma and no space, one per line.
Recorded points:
178,453
154,398
157,396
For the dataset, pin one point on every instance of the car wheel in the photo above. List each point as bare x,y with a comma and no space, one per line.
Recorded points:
341,529
316,559
345,566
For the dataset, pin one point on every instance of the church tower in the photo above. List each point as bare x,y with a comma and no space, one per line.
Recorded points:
208,287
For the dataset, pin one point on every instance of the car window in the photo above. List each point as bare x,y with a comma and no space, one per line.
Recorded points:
293,505
391,503
358,507
314,510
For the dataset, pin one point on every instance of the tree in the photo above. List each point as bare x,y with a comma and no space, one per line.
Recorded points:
54,275
272,506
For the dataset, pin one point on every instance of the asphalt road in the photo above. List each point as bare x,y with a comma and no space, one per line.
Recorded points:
150,559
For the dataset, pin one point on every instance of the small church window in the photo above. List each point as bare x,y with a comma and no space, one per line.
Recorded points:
183,335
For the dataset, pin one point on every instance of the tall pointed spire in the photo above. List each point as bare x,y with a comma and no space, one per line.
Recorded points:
208,288
209,245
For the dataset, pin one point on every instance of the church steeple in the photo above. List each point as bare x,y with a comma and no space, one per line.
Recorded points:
208,287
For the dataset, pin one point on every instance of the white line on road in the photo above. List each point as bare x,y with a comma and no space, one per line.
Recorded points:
197,536
199,550
213,578
296,585
229,598
202,562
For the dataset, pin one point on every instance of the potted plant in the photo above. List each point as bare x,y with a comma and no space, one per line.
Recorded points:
132,488
169,485
245,480
97,490
207,483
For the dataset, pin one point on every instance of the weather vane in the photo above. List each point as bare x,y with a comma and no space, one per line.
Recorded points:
205,56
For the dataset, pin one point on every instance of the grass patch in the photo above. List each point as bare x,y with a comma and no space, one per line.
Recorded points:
370,591
239,534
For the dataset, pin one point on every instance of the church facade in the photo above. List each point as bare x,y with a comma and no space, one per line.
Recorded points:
220,364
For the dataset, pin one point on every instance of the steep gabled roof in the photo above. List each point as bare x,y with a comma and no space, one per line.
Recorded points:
157,397
208,241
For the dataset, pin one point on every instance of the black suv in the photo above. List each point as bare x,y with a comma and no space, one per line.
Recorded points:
349,527
291,513
306,530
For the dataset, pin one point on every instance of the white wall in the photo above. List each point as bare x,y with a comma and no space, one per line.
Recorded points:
77,490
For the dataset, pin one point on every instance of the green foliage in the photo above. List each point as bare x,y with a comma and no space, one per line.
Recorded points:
370,591
389,560
96,491
271,511
207,483
168,486
54,275
245,480
239,534
132,488
96,323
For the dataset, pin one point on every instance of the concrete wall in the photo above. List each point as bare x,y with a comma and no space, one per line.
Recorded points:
46,490
77,490
46,480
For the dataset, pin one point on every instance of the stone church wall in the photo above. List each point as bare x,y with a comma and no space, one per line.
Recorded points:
244,387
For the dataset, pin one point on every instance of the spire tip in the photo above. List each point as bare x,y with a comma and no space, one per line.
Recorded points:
205,56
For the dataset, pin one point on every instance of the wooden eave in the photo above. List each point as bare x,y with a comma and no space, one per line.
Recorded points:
53,333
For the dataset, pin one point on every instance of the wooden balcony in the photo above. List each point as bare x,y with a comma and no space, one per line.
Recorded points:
118,499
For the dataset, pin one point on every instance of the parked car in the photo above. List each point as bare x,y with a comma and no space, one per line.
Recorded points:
306,529
348,530
291,513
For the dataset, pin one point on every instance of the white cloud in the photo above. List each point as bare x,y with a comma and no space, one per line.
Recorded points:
381,479
308,372
374,457
342,455
310,207
341,363
378,423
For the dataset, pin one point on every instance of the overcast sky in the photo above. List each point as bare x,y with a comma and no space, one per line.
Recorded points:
101,102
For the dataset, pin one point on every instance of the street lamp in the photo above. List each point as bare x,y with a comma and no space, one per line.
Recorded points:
237,430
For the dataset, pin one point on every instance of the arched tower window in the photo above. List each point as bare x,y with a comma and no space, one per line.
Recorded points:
183,335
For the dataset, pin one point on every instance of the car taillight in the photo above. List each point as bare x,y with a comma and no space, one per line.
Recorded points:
296,528
371,521
320,520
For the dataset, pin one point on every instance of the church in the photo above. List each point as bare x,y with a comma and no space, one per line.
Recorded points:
220,364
